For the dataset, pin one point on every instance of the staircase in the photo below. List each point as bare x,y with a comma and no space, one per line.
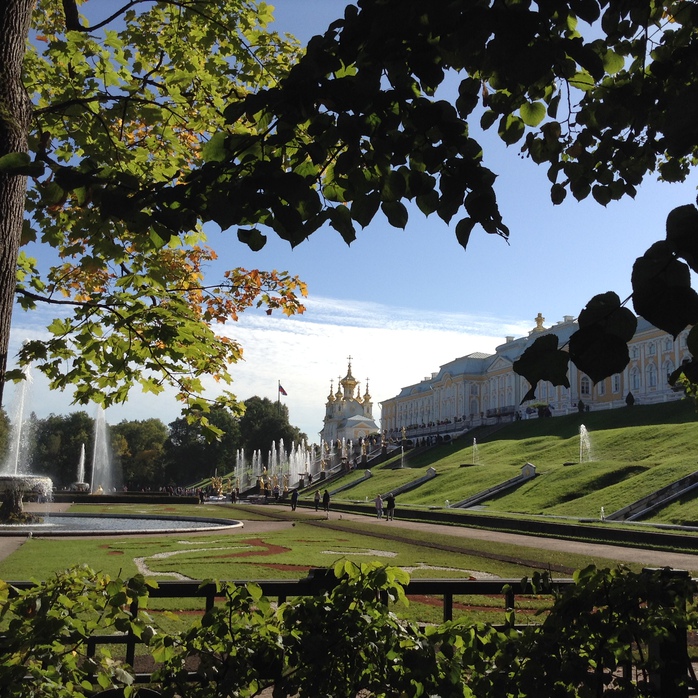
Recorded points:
656,500
528,472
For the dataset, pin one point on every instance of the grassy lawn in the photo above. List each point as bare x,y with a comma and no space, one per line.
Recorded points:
300,541
635,452
304,541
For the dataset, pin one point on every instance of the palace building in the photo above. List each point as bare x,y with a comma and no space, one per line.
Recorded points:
483,388
348,415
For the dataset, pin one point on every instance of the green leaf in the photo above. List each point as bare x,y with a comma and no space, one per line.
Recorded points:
682,233
215,150
21,164
210,432
613,62
488,119
602,195
511,129
428,203
557,194
597,353
532,113
340,220
662,292
463,229
396,213
687,370
582,81
252,238
605,312
334,192
673,170
394,187
543,361
28,232
10,163
363,208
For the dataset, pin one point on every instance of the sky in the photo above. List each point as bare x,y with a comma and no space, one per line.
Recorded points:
403,302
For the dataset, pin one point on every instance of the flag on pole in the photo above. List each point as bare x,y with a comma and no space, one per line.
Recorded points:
281,390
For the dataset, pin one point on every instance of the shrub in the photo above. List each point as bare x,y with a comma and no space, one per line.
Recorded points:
613,632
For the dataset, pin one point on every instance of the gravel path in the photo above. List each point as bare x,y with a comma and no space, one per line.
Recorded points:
649,558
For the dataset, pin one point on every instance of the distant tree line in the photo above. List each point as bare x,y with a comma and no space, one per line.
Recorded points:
149,453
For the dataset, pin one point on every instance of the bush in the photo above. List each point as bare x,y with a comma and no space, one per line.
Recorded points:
349,641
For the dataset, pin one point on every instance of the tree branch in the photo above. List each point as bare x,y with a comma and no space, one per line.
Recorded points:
72,18
166,370
58,301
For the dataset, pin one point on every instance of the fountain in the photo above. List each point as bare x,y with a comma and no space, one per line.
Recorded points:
80,485
584,445
102,471
16,483
285,468
15,480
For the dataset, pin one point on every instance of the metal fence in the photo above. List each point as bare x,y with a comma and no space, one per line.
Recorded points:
320,581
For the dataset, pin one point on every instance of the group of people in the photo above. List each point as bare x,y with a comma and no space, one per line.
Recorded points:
325,501
386,507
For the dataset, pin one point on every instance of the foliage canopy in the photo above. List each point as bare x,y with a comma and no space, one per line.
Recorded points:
112,106
375,114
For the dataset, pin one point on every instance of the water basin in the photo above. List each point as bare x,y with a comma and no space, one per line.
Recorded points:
56,524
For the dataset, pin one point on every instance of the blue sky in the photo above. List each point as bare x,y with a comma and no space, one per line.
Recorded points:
403,302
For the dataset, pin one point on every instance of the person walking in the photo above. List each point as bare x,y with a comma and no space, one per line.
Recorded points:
379,505
390,507
326,503
317,499
294,499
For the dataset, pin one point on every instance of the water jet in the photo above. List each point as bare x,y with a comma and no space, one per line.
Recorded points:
15,480
584,445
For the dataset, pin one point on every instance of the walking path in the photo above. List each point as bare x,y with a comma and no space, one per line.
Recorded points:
616,553
648,558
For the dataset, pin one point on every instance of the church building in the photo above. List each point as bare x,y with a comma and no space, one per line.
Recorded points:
348,415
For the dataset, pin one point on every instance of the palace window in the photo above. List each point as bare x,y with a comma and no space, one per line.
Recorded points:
668,344
601,388
668,370
585,386
616,383
652,349
635,353
635,379
651,376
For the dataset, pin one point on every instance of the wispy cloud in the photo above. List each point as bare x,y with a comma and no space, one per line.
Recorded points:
391,346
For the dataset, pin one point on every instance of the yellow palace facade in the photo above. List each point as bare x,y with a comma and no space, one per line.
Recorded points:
483,388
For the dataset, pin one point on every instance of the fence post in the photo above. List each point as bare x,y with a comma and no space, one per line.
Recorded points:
131,638
670,654
448,606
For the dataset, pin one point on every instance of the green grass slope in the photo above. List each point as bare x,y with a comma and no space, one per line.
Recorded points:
635,451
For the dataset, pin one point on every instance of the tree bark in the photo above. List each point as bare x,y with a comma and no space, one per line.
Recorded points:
15,117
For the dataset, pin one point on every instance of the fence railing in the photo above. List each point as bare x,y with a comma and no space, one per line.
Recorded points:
323,580
317,582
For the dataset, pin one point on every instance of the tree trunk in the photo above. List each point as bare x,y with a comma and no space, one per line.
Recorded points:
15,116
